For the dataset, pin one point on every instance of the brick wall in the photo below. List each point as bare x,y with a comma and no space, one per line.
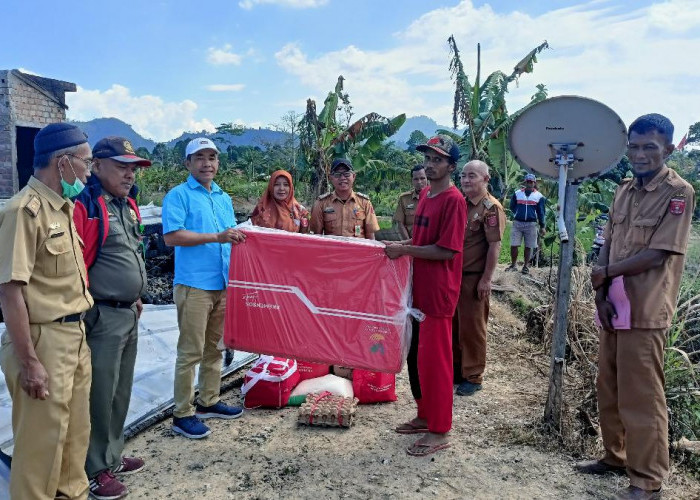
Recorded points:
6,138
20,105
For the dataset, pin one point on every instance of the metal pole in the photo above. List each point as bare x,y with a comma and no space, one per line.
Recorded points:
552,412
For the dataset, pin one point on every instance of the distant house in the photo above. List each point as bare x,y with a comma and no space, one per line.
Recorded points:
27,103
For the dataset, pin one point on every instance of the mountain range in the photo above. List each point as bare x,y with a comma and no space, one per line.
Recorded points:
261,137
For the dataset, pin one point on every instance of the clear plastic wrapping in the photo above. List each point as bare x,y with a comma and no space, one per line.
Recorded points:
331,300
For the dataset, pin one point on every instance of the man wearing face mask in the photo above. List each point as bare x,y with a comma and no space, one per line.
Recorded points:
44,296
108,221
645,244
527,205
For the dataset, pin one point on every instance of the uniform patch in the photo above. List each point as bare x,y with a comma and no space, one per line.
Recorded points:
328,210
132,212
33,205
492,221
677,206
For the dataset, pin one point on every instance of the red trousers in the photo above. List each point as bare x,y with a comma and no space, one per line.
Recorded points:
435,373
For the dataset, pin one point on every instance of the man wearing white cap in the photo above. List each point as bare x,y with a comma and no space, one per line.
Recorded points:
199,221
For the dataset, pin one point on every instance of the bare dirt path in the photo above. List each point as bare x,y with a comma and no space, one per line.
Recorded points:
496,450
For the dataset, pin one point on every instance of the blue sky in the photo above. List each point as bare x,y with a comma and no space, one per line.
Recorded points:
172,66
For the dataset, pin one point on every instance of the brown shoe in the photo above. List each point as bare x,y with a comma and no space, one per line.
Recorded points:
598,468
634,493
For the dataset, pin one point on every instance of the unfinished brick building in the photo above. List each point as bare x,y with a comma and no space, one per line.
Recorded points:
27,103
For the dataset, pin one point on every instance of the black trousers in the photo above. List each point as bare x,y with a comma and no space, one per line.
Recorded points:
412,360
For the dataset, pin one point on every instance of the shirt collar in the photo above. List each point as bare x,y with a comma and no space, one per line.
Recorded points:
194,184
475,201
414,195
47,193
654,182
351,197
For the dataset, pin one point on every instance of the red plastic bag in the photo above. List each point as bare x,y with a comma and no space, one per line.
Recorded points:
269,382
309,370
373,387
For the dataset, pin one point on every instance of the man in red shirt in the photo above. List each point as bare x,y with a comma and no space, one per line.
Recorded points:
436,245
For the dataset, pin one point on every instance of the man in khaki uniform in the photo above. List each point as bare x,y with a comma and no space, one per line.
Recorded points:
408,201
645,243
486,222
344,212
44,295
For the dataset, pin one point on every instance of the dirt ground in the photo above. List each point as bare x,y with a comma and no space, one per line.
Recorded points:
497,450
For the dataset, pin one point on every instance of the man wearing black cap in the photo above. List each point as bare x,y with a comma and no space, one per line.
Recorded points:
107,218
44,295
344,212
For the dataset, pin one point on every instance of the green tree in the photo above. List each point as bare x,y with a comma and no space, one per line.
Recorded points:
482,108
416,139
694,134
323,136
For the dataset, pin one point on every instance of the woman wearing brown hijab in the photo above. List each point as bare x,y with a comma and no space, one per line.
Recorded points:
277,207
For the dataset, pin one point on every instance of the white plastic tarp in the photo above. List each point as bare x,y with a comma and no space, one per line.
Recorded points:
153,375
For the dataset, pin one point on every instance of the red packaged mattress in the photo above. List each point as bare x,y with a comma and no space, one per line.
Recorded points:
329,300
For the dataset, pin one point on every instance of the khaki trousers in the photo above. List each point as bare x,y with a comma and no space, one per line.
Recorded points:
632,404
112,334
51,436
469,326
200,317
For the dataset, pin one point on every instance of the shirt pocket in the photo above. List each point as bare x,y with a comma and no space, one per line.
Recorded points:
643,229
58,260
330,220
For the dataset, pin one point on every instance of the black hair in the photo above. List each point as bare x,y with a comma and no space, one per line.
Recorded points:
651,122
418,167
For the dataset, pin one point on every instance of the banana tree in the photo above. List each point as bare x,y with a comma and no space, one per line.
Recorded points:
322,137
482,108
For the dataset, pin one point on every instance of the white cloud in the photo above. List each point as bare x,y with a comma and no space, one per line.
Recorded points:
294,4
223,56
225,87
149,115
635,61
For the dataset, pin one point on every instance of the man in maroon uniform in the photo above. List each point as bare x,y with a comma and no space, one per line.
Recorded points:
436,245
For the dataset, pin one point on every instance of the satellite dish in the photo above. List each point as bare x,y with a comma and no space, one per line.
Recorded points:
568,125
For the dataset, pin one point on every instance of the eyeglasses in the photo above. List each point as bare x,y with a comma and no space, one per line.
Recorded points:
342,175
87,161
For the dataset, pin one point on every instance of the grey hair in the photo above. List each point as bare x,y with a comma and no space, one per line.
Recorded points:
482,164
43,161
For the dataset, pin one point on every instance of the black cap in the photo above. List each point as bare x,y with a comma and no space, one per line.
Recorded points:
119,149
54,137
342,162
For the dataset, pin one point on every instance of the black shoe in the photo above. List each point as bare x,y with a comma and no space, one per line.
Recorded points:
598,468
634,493
467,388
512,267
